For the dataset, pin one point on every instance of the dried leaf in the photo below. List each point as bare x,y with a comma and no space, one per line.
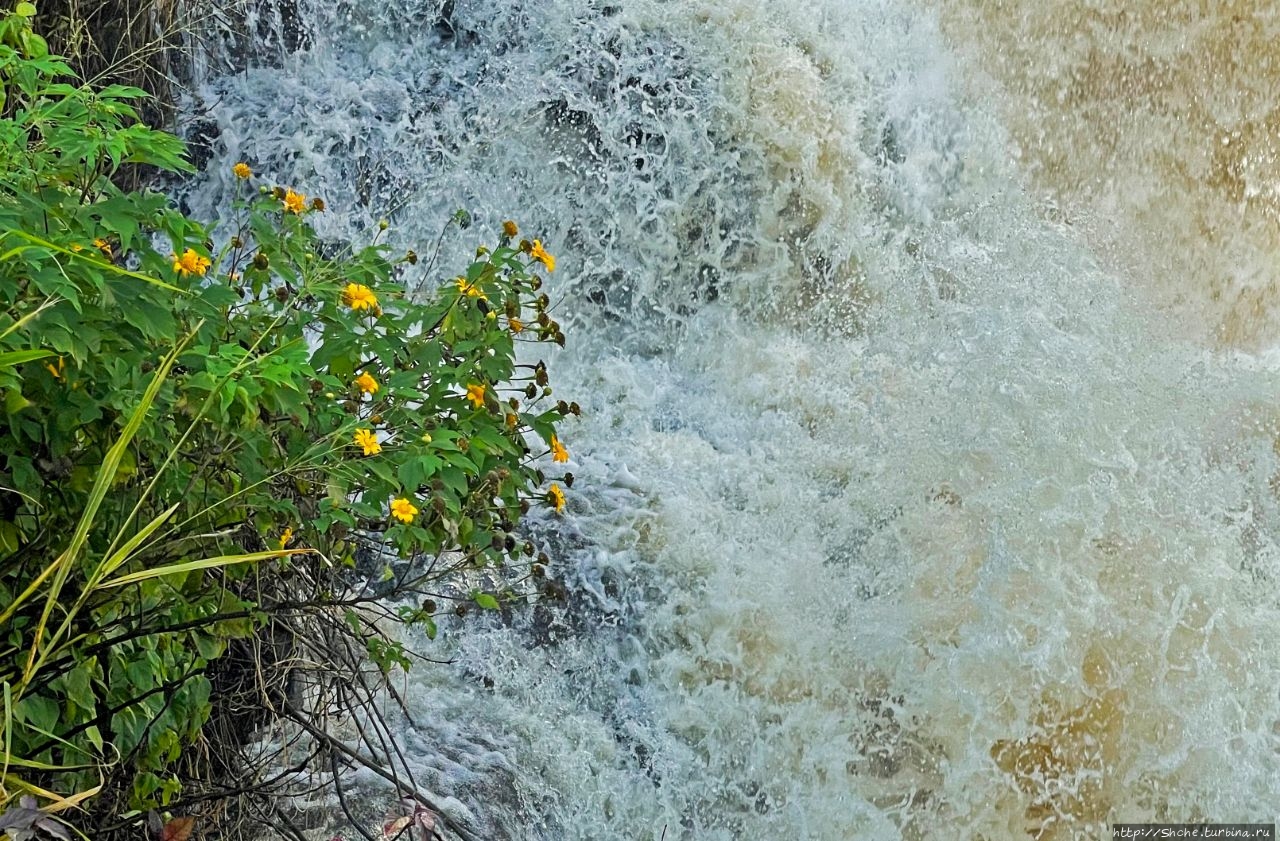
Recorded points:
178,829
54,828
424,818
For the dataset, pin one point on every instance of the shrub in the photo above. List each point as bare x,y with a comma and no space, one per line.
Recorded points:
183,422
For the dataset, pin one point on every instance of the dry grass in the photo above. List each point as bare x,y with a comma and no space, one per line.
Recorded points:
120,41
145,44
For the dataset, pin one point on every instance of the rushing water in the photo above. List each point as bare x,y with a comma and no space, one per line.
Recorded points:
907,506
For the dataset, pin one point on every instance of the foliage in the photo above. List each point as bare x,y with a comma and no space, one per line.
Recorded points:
181,423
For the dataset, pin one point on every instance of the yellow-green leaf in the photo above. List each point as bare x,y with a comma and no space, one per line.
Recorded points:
202,563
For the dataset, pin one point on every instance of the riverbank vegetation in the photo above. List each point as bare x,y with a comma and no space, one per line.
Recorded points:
234,464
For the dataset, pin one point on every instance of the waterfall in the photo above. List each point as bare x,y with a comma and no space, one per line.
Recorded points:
900,511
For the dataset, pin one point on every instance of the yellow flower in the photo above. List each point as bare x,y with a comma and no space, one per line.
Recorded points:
475,393
556,496
294,202
366,439
516,324
360,297
403,510
471,290
558,452
367,383
540,254
242,170
287,534
103,246
190,263
509,228
57,372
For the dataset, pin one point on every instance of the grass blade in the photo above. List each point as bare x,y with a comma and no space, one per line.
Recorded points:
203,563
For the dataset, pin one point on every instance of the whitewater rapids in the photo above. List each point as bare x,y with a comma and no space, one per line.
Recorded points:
905,510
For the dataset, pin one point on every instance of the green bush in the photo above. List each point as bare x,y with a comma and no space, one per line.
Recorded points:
179,420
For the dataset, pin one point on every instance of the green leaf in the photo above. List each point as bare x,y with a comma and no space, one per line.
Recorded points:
78,684
25,10
14,402
202,563
210,647
17,357
39,712
485,600
33,44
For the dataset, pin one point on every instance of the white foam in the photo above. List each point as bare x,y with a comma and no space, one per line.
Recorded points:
920,529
